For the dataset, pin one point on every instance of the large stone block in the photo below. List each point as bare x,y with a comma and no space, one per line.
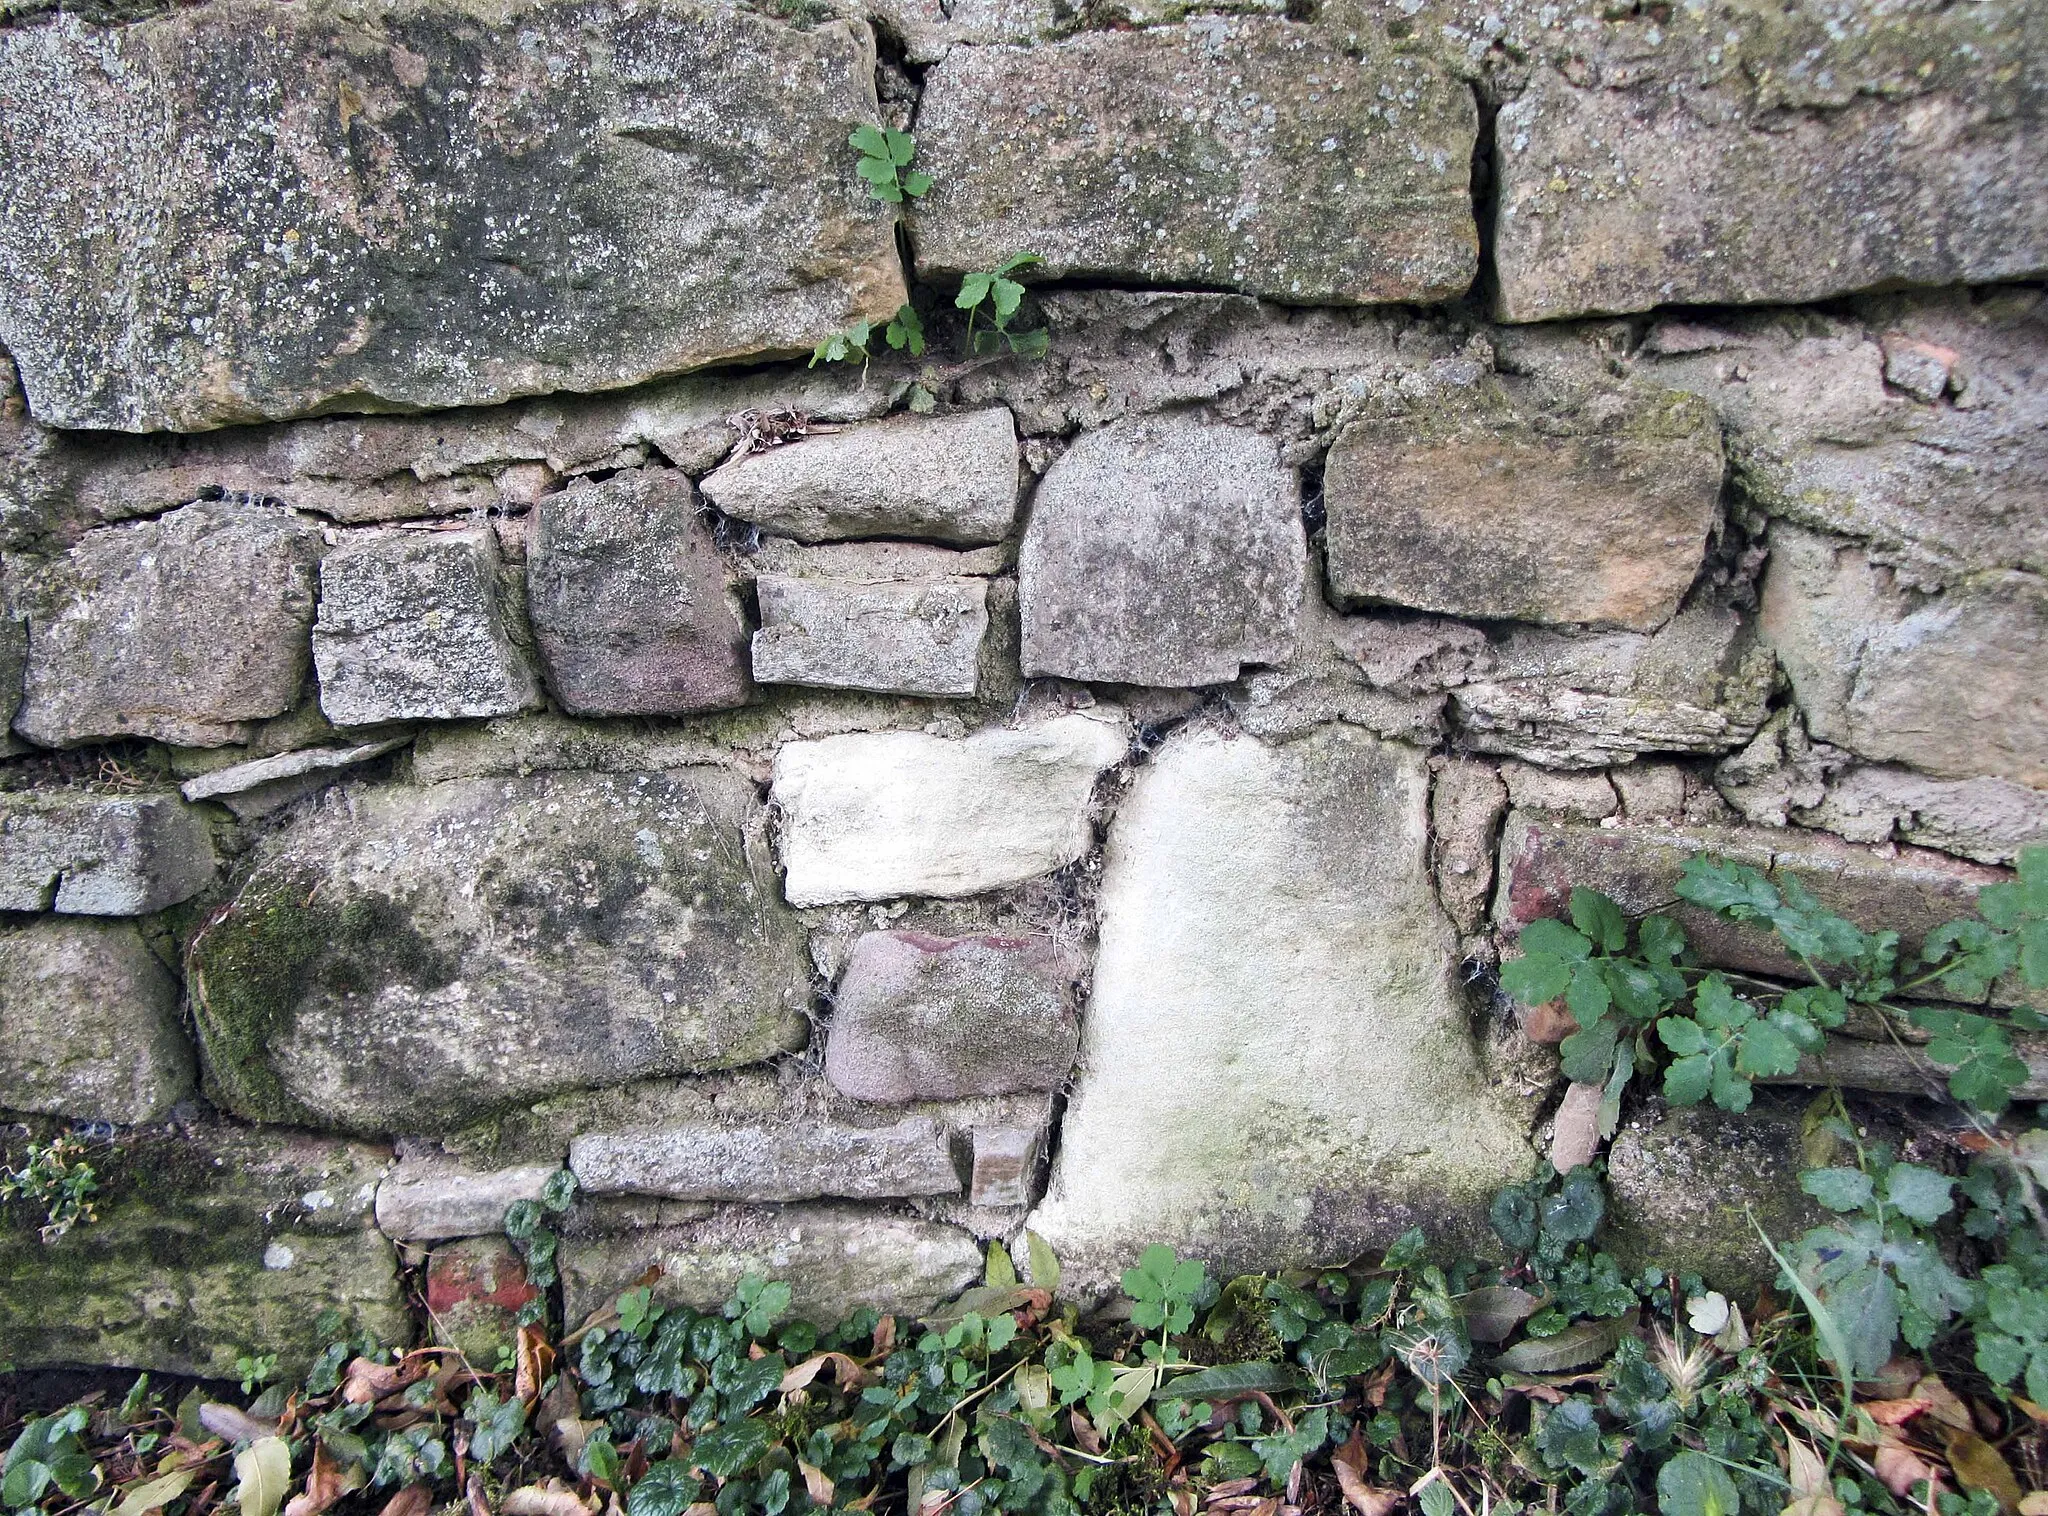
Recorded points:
1164,550
1954,684
1489,508
417,204
632,609
943,478
835,1260
89,1024
415,626
1275,1066
410,960
1988,820
1907,890
430,1199
90,854
1697,166
1275,158
184,629
808,1158
212,1243
918,1017
1817,432
909,637
872,816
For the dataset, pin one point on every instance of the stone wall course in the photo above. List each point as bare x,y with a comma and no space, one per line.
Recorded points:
909,637
97,854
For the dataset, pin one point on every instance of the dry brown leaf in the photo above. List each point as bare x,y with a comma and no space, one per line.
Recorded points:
1085,1435
1814,1505
1900,1468
1182,1500
413,1500
1979,1466
2035,1504
847,1372
1230,1503
1231,1487
885,1336
816,1484
1893,1413
534,1360
473,1492
326,1482
1575,1133
2038,1413
549,1498
1805,1470
368,1383
1349,1462
1945,1404
231,1424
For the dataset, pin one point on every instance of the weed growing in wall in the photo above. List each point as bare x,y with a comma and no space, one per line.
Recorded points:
55,1182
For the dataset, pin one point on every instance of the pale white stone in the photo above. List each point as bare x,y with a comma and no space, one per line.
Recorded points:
806,1159
428,1200
1275,1065
873,816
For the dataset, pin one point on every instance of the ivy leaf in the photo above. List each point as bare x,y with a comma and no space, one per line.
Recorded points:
732,1449
1515,1217
1692,1484
1570,1437
1919,1194
1575,1212
1599,919
1839,1189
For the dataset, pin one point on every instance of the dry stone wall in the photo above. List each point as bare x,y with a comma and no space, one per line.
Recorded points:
476,703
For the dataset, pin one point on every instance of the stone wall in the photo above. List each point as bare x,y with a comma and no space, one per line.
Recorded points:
478,702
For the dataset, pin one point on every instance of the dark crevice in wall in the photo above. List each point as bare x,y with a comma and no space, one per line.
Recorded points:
1484,171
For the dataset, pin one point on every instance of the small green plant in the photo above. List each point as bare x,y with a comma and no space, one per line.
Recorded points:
55,1180
252,1371
904,333
1624,981
524,1224
884,155
1001,295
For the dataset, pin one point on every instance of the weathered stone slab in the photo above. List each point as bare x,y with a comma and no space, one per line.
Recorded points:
871,816
918,1017
1488,508
1164,550
89,1024
803,1159
1695,193
212,1243
1466,803
1682,1190
409,960
1910,892
184,629
91,854
259,773
1003,1160
1988,820
1274,1062
1847,1063
1954,684
529,744
574,199
835,1260
13,671
1819,435
914,637
431,1199
1307,166
632,609
943,478
475,1290
414,626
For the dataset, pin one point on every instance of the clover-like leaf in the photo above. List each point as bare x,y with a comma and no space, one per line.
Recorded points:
1839,1189
1919,1194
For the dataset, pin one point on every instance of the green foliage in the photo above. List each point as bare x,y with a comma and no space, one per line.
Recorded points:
55,1182
525,1224
903,333
1716,1033
1000,295
884,155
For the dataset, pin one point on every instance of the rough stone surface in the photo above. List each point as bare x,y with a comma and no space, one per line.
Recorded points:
1848,1063
211,1244
918,1017
918,637
432,1199
184,629
1817,436
1679,181
835,1260
1466,803
1274,1062
1988,820
943,478
876,816
1164,550
1588,797
1483,508
1700,685
260,773
632,612
475,1289
1682,1187
408,960
1249,153
1003,1160
415,626
89,854
503,203
1911,892
1953,684
13,671
126,1061
802,1160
